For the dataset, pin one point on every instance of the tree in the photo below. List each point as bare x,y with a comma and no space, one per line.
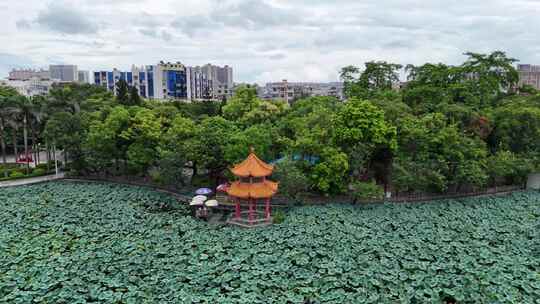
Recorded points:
103,143
506,167
360,123
330,174
292,180
143,135
244,100
134,98
176,149
65,131
377,76
307,128
6,112
212,137
434,154
366,191
517,129
247,109
122,95
493,72
27,109
259,137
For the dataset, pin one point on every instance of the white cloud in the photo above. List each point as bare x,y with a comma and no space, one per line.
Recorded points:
265,40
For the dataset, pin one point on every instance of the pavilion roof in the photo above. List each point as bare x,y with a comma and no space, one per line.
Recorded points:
252,166
264,189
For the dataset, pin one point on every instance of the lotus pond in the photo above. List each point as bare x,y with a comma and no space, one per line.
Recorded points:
100,243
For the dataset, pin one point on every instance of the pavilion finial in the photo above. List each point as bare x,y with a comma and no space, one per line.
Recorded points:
251,149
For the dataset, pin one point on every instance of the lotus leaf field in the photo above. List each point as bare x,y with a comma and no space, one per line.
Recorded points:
68,242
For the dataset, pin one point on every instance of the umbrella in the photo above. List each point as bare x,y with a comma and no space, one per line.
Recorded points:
203,191
201,198
223,187
196,203
211,203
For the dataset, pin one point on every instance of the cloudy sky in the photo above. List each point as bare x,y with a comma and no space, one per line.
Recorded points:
299,40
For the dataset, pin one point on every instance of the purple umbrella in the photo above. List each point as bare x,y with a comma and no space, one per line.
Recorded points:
203,191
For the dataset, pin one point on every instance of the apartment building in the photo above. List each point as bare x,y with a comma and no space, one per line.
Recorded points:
64,73
167,80
25,74
221,79
291,91
529,75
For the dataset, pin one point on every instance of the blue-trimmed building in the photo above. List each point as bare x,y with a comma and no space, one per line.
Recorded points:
170,81
141,78
161,81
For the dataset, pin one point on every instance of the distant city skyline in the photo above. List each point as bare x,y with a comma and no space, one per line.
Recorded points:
264,40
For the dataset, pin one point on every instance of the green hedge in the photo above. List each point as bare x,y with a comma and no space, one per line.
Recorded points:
20,173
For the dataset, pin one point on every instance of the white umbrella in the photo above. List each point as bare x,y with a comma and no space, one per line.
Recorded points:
196,203
201,198
211,203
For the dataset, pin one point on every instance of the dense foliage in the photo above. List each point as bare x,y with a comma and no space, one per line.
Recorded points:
80,243
448,128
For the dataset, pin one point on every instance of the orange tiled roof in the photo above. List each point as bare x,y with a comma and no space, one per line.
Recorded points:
252,166
265,189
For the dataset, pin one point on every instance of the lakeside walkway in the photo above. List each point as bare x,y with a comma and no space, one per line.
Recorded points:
31,180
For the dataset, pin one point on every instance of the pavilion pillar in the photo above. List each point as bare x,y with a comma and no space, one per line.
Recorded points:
255,215
250,210
267,209
237,211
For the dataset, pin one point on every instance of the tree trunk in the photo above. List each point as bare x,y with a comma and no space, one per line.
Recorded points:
34,146
25,135
14,137
48,156
193,173
3,143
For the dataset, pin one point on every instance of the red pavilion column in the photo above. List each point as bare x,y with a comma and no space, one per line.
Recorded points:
237,213
250,210
268,209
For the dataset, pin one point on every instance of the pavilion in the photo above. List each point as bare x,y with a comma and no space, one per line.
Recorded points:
252,188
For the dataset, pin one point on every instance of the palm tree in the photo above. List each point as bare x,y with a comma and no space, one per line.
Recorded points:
39,115
7,109
3,119
27,110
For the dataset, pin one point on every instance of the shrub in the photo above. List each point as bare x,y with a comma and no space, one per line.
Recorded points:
292,181
366,191
156,177
42,166
279,217
39,172
16,174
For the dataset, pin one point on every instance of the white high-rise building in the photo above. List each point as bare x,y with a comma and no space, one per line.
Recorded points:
172,80
199,87
25,74
29,87
83,77
64,73
221,79
529,75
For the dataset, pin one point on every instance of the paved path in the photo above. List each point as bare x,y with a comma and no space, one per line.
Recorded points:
31,180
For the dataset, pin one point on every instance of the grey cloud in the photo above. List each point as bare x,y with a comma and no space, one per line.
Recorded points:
248,14
154,33
277,56
254,14
66,20
166,35
23,24
150,32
